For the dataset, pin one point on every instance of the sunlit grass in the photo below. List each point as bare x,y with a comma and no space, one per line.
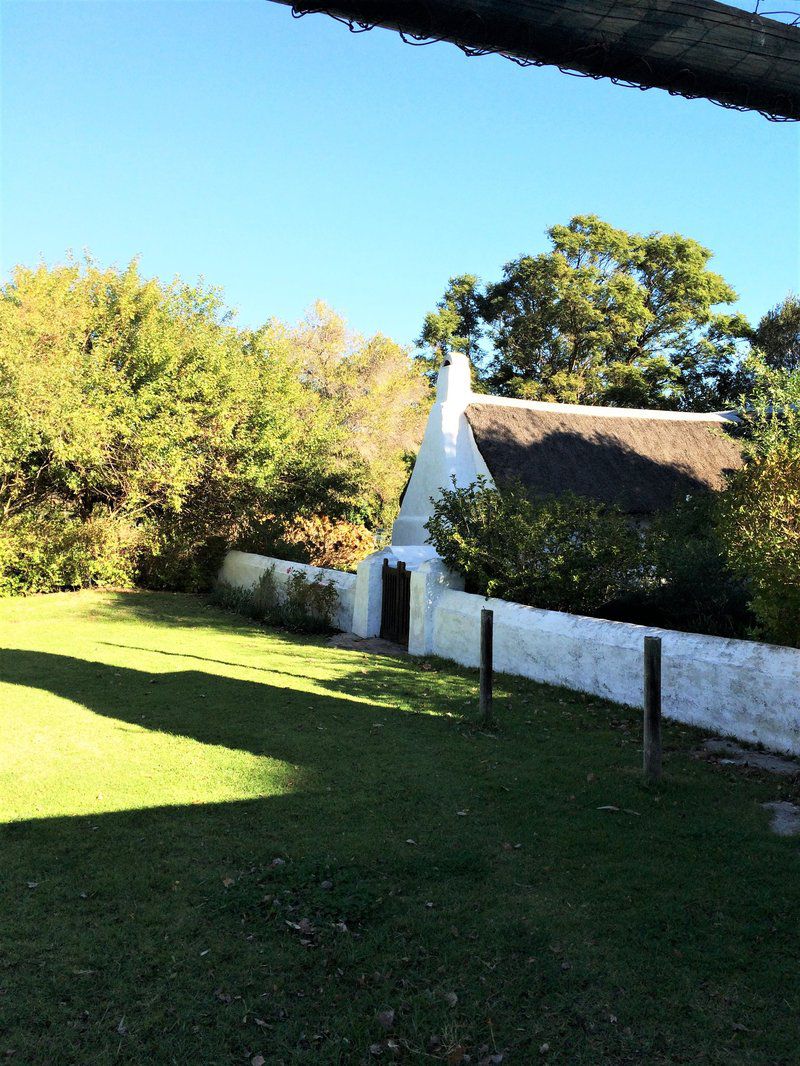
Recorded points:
220,842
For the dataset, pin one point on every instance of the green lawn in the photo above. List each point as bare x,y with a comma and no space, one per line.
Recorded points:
220,842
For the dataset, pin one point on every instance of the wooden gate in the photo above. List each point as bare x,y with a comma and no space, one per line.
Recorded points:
396,602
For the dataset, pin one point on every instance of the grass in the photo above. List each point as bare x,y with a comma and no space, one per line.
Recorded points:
220,842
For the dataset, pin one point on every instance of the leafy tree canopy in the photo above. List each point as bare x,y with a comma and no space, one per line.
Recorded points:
142,432
778,335
606,317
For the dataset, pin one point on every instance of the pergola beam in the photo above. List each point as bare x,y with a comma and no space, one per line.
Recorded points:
694,48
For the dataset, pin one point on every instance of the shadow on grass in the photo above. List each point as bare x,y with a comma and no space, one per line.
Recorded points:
286,723
475,886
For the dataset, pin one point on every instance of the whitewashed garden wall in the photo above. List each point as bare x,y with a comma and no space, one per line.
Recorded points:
243,570
737,688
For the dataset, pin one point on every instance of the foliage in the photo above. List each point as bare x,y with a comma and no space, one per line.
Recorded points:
605,317
760,521
565,554
378,397
307,605
333,543
777,335
686,582
142,433
571,554
457,323
49,547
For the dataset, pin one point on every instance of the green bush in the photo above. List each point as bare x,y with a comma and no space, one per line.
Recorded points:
686,581
308,605
564,554
760,523
571,554
49,547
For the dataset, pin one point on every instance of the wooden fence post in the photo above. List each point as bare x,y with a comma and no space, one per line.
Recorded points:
487,640
652,708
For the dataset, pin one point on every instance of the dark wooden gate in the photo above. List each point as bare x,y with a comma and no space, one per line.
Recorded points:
396,602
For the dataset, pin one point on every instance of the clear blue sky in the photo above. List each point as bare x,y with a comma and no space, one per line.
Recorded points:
287,160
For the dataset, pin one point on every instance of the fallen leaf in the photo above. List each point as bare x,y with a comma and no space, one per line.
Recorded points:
257,1060
386,1019
228,881
450,999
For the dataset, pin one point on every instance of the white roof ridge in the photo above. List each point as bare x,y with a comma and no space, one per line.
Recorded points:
610,412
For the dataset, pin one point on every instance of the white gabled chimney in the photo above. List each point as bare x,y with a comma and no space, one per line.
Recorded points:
448,450
454,383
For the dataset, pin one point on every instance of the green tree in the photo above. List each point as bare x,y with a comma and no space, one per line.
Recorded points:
142,433
777,335
456,325
608,317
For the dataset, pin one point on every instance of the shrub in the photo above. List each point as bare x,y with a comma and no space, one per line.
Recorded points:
686,581
308,605
760,522
330,542
48,547
565,554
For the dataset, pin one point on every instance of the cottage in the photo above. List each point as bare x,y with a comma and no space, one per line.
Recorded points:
641,461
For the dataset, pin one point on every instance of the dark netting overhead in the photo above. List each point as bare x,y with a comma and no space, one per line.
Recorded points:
771,10
742,59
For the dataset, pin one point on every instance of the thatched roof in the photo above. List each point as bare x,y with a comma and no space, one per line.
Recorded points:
642,462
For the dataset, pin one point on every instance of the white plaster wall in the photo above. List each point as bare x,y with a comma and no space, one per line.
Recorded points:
243,570
734,687
369,583
448,450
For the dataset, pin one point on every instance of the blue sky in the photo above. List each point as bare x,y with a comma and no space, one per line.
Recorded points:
288,160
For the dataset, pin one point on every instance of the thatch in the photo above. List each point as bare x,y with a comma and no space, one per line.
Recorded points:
642,464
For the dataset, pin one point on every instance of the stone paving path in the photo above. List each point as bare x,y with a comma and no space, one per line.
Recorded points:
785,816
371,645
731,754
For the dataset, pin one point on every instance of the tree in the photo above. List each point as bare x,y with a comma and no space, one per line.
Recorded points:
609,317
142,433
377,395
778,335
456,325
